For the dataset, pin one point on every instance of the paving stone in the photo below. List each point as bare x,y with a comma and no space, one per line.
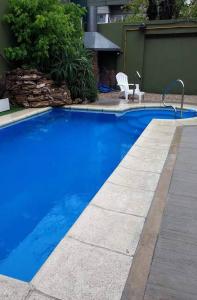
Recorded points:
182,225
155,292
184,176
19,115
165,122
176,247
12,289
182,200
35,295
154,142
143,164
135,179
189,166
178,236
165,133
124,199
180,257
188,155
188,137
188,207
183,187
156,128
79,271
108,229
148,153
169,276
183,182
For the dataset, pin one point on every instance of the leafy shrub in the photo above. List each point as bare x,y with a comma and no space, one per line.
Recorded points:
142,10
76,70
138,9
189,10
48,35
42,30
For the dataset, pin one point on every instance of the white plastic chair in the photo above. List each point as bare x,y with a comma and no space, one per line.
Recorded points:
122,81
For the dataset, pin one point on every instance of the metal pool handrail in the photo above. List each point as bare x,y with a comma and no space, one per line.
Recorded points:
168,88
136,78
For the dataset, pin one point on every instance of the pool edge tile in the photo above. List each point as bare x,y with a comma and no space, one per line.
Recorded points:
13,289
84,272
21,115
133,202
108,229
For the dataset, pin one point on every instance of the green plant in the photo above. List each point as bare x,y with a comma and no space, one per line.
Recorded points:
48,35
189,10
42,30
76,69
138,9
142,10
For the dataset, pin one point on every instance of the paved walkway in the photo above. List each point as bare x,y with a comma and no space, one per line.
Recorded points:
173,273
165,265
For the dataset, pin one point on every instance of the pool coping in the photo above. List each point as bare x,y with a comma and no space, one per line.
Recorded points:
137,280
64,275
18,116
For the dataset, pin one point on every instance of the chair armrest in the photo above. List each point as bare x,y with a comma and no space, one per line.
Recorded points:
122,85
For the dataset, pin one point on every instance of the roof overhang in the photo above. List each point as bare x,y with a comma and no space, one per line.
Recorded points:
97,42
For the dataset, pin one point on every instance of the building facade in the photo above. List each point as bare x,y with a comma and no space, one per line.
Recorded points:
108,11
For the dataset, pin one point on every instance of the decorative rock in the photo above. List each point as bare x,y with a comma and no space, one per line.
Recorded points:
31,88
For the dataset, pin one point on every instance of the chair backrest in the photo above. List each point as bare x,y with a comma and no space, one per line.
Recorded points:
122,81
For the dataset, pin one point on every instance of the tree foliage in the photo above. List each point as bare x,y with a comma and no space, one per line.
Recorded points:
142,10
48,35
189,10
138,8
168,9
42,30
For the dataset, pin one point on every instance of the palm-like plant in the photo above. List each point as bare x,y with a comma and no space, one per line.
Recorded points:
75,68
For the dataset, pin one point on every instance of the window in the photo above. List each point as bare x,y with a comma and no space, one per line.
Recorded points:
102,18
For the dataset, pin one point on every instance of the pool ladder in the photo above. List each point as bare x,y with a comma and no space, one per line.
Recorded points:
167,90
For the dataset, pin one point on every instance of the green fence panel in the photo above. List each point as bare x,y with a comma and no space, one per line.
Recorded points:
165,51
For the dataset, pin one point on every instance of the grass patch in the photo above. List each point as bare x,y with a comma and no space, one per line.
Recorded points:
12,110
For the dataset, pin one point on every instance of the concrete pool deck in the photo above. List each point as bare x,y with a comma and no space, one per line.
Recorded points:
95,257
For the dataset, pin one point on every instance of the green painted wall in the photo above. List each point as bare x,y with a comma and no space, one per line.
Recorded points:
169,58
4,36
167,50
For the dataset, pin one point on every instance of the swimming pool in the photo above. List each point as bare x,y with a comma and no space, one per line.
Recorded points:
51,167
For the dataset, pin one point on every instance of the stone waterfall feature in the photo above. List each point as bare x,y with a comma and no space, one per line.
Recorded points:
31,88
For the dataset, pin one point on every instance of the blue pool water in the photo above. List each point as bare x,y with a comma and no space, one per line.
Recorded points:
51,167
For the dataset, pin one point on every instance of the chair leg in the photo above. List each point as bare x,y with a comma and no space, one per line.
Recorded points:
126,97
140,98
